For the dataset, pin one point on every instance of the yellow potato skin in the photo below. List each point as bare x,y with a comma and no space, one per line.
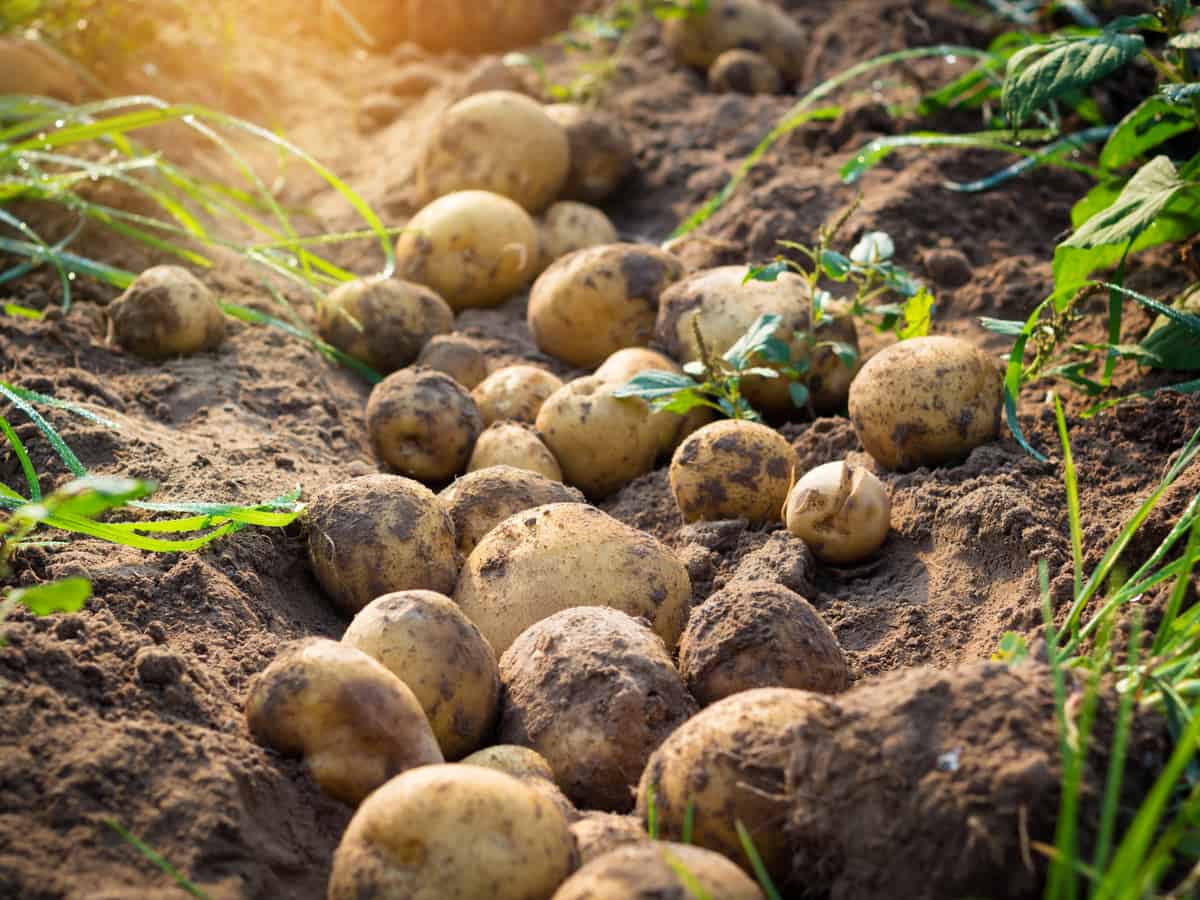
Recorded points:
601,151
698,40
514,393
457,356
383,322
623,365
842,512
516,445
567,227
481,500
650,870
166,312
744,72
520,762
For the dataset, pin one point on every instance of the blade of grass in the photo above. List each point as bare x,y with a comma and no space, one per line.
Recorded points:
157,859
756,863
1116,759
18,448
1069,478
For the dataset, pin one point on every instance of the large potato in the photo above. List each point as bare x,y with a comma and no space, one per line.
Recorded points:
554,557
474,248
514,392
498,141
380,533
926,401
516,445
457,356
383,322
669,428
593,302
697,40
167,311
659,870
453,832
481,500
601,151
567,227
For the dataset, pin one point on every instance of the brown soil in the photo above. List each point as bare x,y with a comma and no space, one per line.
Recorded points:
132,709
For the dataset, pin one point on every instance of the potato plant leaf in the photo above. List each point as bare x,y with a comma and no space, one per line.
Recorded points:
1180,93
1011,649
654,383
1155,120
1188,41
759,341
769,272
1006,327
1175,347
1147,194
68,595
918,315
836,265
799,394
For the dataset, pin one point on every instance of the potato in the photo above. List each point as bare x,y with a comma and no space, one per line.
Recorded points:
555,557
733,469
376,534
842,512
659,870
423,424
724,307
514,392
480,501
601,151
596,833
593,302
697,40
167,311
355,723
423,639
498,141
601,442
729,762
492,74
522,763
453,832
594,692
516,445
744,72
669,428
758,634
926,401
567,227
457,356
383,322
472,247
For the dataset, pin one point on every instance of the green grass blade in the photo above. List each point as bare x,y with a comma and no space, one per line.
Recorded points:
756,863
690,882
255,317
1116,759
1180,589
1072,487
31,478
65,453
157,859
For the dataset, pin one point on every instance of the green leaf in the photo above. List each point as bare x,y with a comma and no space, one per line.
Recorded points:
754,342
846,354
1101,196
1007,327
1011,649
1175,347
653,383
68,595
1153,121
1188,41
918,315
799,394
836,265
1147,194
769,272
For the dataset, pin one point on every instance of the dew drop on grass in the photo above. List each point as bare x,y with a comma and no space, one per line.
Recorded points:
60,123
951,59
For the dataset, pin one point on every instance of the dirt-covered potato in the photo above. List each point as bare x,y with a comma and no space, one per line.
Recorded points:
601,442
424,639
623,365
523,763
517,445
479,501
514,392
594,692
354,722
697,40
473,247
383,322
926,401
601,151
593,302
744,72
729,761
724,306
167,311
841,511
377,534
423,424
733,469
457,356
758,634
492,74
567,227
659,870
498,141
596,833
555,557
453,832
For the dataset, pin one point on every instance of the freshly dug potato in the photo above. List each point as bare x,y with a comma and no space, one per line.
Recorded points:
730,761
596,833
481,500
744,72
167,311
424,639
516,445
457,356
594,692
842,512
555,557
601,151
514,392
423,424
373,535
926,401
733,469
725,308
596,301
601,442
521,763
492,74
472,247
383,322
654,870
453,832
759,634
498,141
567,227
355,723
697,40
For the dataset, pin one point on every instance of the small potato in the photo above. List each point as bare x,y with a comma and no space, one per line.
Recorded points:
457,356
491,74
383,322
697,40
841,511
555,557
423,424
355,723
453,832
498,141
567,227
516,445
472,247
480,501
596,833
596,301
522,763
166,312
594,692
423,639
373,535
658,870
601,151
744,72
926,401
514,392
733,469
758,634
